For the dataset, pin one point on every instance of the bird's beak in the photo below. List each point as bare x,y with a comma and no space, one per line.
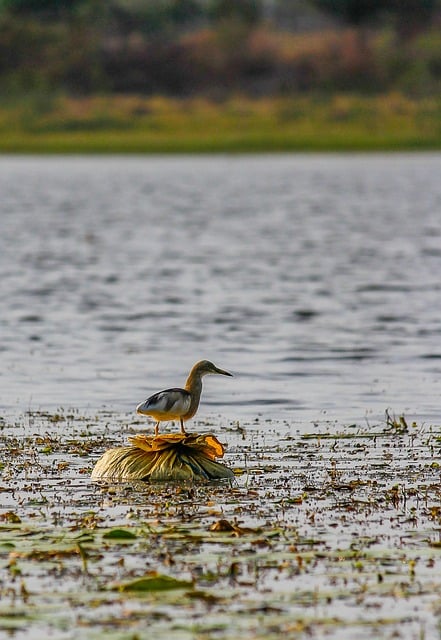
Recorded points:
222,372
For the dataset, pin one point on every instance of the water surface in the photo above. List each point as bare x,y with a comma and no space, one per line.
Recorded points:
315,279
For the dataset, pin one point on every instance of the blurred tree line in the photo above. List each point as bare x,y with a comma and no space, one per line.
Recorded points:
215,47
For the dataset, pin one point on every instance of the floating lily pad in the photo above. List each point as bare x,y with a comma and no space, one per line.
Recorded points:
119,534
155,583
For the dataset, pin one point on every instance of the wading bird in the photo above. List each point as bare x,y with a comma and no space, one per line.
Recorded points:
179,404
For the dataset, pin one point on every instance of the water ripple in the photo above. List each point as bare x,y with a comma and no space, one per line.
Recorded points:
314,278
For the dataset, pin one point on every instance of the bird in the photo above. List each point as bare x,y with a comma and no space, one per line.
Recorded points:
179,404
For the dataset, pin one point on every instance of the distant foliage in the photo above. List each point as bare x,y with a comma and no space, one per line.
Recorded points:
218,47
353,11
54,7
409,15
184,12
247,11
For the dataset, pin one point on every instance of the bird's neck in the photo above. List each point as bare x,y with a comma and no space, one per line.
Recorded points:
194,383
194,387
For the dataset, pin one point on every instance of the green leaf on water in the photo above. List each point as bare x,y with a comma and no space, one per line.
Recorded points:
119,534
155,583
84,536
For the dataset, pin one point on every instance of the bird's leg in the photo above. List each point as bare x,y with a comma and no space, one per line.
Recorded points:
182,427
157,429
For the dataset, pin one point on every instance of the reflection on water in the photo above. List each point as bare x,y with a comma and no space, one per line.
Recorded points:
315,279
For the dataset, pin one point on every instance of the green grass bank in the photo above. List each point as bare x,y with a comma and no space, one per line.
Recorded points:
135,124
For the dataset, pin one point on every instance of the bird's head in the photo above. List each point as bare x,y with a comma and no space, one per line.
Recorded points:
204,367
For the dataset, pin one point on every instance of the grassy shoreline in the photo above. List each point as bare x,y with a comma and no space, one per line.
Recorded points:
135,124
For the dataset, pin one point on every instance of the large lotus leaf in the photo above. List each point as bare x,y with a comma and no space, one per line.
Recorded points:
167,457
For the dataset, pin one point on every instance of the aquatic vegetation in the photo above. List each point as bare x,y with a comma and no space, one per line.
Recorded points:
332,530
175,456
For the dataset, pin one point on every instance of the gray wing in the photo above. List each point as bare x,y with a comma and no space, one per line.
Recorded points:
175,401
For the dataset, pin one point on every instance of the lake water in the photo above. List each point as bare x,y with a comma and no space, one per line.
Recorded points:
315,279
